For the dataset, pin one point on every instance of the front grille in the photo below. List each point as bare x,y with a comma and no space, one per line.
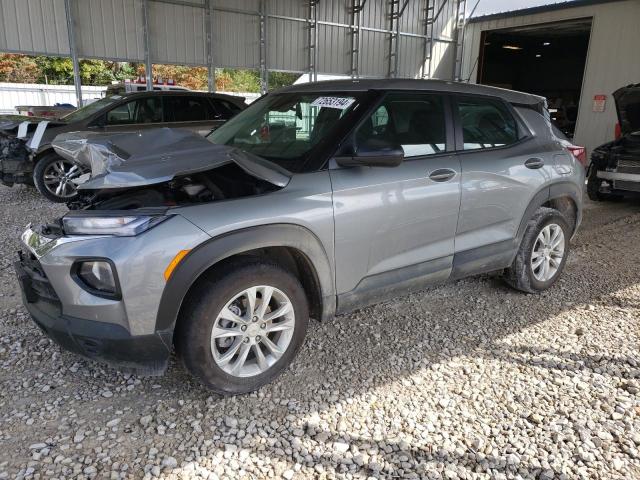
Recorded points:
39,282
629,186
628,166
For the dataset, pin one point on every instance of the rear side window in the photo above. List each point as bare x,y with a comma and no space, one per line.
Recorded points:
486,123
184,108
225,108
416,122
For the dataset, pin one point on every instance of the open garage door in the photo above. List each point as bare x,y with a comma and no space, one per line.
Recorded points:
546,59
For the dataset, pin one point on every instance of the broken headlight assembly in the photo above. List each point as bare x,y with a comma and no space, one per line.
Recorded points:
120,226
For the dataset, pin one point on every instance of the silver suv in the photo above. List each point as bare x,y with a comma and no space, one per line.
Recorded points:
316,200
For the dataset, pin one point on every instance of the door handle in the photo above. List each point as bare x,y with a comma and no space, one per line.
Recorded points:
534,163
442,174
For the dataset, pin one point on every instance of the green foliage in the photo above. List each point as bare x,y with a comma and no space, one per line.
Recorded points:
59,71
281,79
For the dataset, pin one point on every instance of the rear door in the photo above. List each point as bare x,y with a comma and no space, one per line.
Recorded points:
503,167
395,227
191,112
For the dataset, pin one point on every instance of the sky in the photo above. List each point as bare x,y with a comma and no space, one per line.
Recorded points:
486,7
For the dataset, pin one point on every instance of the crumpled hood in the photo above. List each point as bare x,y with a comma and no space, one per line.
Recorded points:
153,156
628,108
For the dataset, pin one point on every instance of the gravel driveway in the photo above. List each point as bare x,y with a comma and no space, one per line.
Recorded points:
468,380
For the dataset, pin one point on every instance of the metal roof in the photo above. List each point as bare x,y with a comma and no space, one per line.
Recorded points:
540,9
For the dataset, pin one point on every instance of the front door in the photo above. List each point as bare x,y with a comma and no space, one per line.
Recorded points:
395,226
140,113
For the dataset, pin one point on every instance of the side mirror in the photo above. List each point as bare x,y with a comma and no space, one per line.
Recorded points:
374,153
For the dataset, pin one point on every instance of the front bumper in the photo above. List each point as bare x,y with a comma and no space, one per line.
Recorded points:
16,165
106,342
121,331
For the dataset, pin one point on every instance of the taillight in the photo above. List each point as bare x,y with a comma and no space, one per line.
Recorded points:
580,153
618,131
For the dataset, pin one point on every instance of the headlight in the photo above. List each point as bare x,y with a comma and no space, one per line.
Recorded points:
123,226
97,277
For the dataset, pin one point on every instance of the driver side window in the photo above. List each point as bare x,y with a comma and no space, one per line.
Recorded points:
416,122
143,110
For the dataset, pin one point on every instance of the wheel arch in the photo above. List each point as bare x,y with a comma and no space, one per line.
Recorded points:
566,197
292,246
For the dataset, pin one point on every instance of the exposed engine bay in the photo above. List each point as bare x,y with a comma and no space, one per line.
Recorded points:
162,168
226,182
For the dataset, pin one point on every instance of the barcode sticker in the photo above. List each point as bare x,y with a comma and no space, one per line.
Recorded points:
341,103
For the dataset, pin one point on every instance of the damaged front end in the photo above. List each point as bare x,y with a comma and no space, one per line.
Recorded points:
20,139
162,168
615,166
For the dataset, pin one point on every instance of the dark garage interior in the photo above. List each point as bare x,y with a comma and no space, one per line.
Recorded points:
545,59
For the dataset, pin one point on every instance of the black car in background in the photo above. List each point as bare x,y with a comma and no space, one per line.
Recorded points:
26,154
615,166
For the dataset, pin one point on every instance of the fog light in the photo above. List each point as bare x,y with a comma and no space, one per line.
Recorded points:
98,276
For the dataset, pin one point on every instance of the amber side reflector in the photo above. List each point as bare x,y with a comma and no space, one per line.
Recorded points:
174,263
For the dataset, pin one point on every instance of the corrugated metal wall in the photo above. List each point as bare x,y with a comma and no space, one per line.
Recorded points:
37,26
612,61
114,30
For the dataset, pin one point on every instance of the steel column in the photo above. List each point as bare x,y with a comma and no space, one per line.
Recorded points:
264,70
356,44
313,41
148,67
458,36
73,51
395,15
211,69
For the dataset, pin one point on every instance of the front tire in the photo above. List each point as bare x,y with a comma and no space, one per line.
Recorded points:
542,254
242,325
54,178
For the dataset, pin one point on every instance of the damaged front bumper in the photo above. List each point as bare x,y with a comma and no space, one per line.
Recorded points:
16,161
119,330
21,139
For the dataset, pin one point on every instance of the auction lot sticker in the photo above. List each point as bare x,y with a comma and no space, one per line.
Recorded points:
333,102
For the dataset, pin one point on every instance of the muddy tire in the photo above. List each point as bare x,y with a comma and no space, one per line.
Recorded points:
229,338
53,177
542,254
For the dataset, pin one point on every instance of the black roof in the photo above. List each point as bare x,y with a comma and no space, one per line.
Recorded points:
539,9
353,85
181,92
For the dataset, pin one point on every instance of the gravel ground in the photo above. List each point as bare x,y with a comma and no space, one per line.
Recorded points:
468,380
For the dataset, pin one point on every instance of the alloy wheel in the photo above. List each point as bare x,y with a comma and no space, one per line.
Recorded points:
548,251
252,331
59,178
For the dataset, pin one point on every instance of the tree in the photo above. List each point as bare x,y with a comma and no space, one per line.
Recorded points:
59,71
18,69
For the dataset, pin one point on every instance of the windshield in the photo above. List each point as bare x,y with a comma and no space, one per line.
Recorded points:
284,128
88,110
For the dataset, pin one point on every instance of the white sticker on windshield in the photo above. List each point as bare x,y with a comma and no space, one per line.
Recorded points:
340,103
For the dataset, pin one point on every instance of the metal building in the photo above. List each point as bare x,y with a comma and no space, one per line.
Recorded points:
361,38
611,59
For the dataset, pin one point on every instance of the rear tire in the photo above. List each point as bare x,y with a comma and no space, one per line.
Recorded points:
53,176
219,364
525,273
